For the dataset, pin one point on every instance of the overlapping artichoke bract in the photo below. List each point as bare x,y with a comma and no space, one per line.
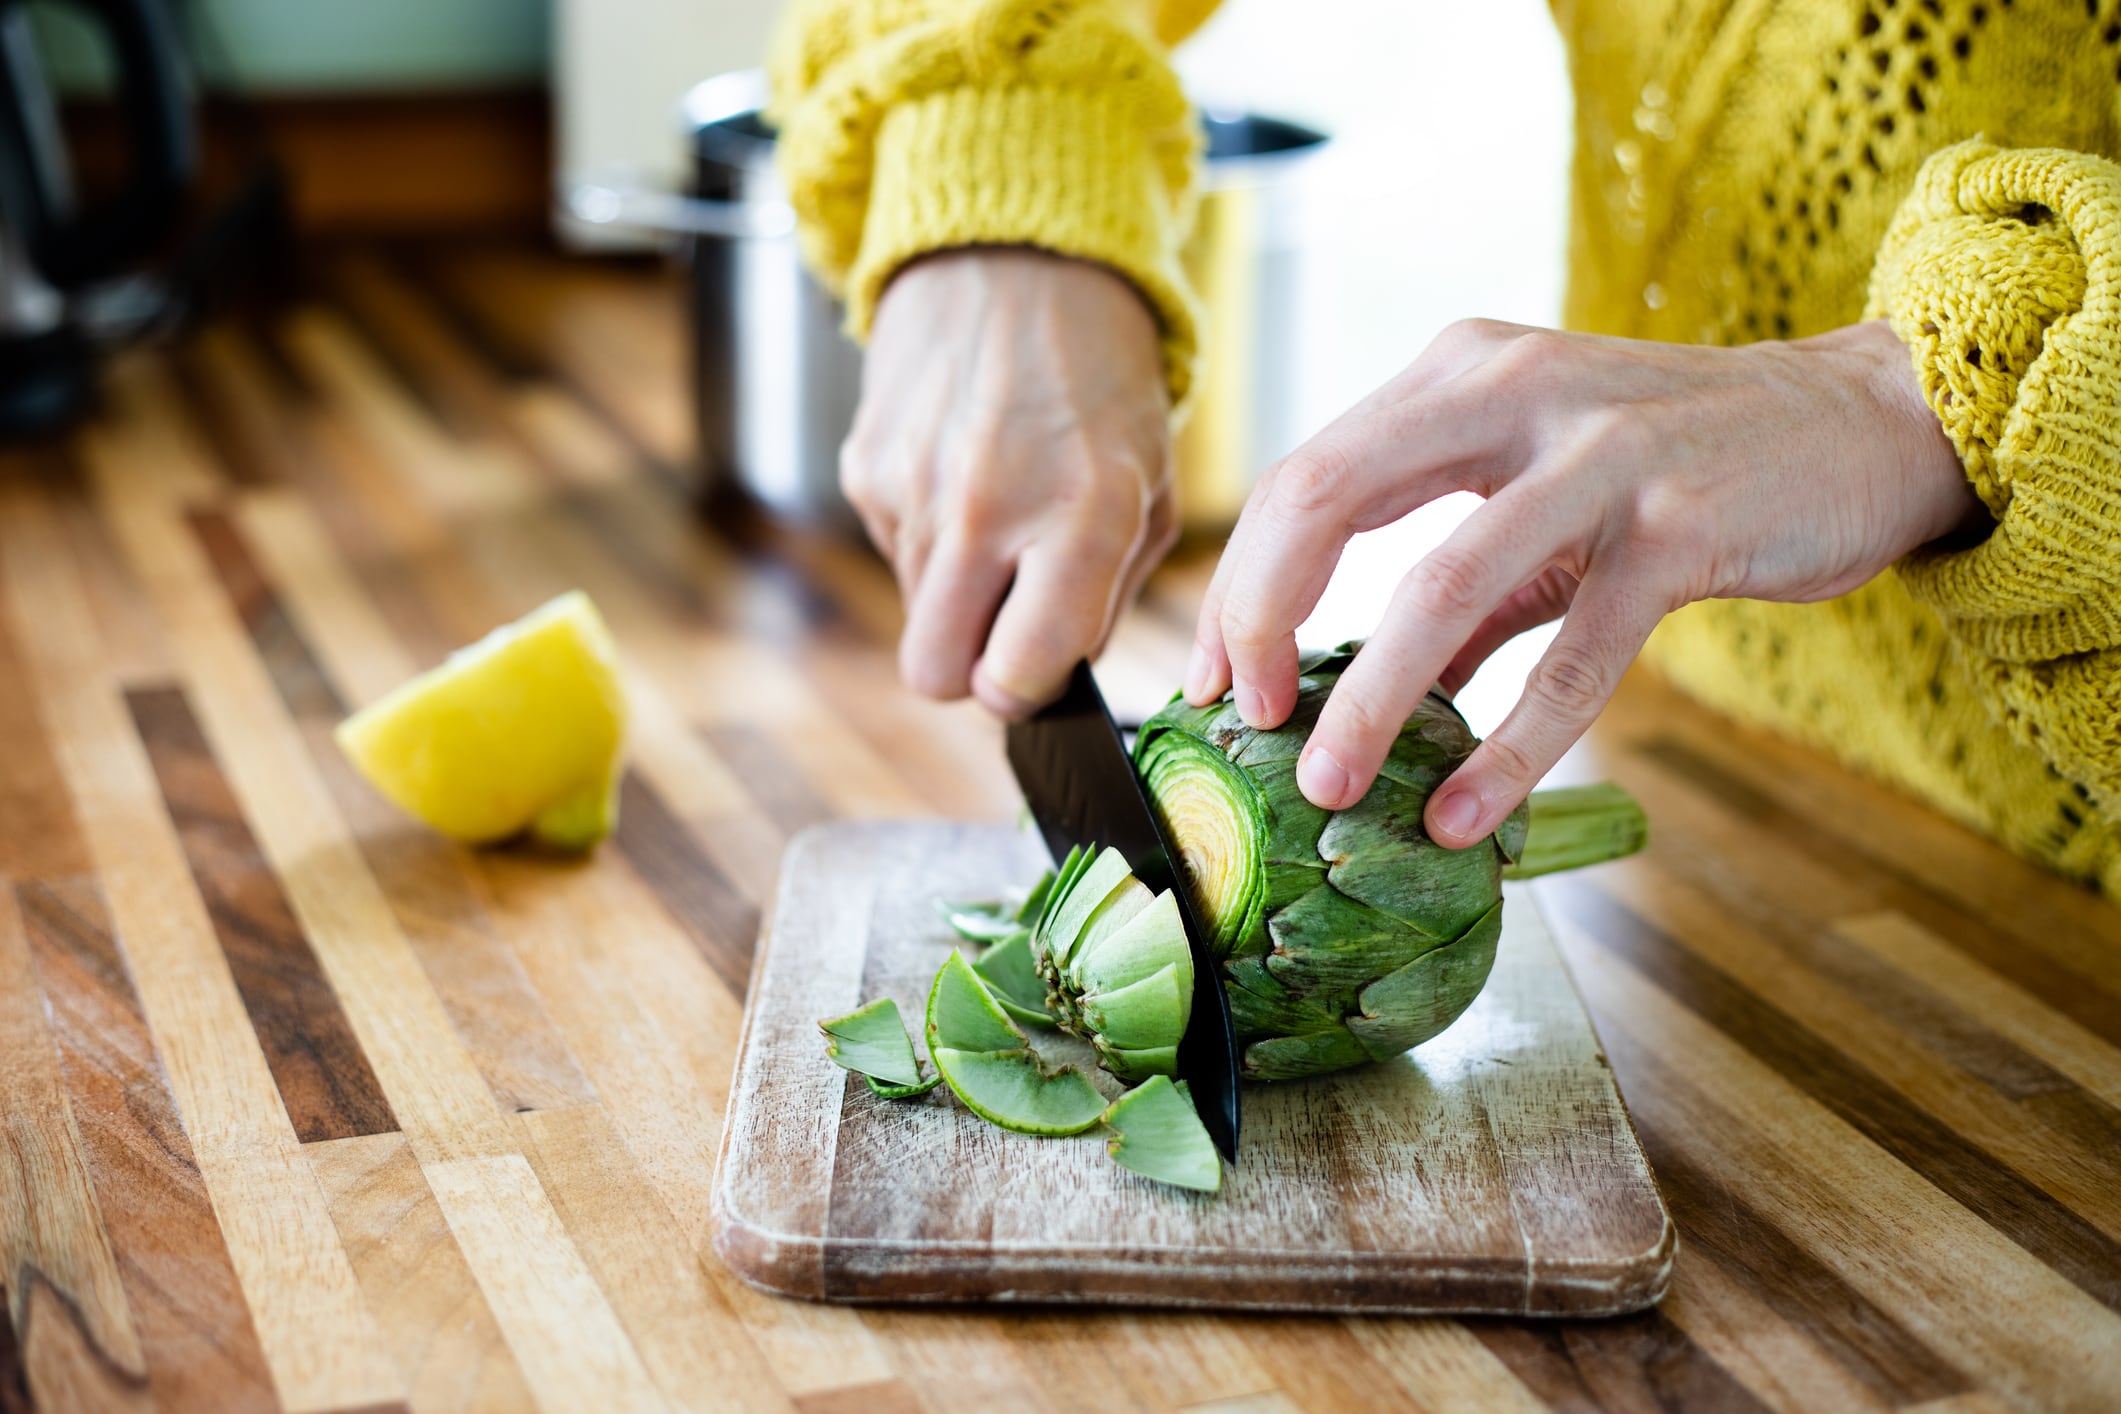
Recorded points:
1345,936
1114,959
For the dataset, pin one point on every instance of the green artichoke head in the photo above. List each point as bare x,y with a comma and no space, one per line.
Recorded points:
1344,936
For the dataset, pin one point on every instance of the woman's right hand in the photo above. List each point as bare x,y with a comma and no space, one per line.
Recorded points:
1011,458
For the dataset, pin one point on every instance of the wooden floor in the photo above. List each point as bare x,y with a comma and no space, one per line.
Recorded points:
304,1108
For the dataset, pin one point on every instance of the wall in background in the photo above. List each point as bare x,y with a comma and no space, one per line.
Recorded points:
311,46
1448,198
619,70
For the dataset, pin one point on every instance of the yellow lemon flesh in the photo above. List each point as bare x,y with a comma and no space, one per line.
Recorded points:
524,730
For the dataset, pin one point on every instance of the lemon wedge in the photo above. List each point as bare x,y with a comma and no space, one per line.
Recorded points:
523,731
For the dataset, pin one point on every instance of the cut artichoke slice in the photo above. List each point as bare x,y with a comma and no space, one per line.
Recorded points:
1014,1090
982,922
963,1015
1157,1133
872,1042
995,920
988,1062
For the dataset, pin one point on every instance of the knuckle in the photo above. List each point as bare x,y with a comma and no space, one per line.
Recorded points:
1616,431
1363,718
981,511
1245,628
1312,478
1569,682
1509,760
1448,584
1475,333
1039,655
1669,520
1528,354
858,472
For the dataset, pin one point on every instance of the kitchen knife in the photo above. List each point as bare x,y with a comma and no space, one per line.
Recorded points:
1083,790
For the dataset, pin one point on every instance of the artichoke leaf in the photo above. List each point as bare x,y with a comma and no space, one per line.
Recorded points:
1073,905
1120,908
1157,1133
1012,978
872,1042
1064,878
1261,1006
1327,945
1151,1012
1418,1001
964,1016
1510,834
1380,856
1131,1067
982,922
1296,1056
1152,940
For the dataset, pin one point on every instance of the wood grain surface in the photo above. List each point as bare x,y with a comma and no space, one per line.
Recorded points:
1494,1173
302,1108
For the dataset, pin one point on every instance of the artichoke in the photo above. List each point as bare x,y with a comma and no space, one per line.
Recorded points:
1344,936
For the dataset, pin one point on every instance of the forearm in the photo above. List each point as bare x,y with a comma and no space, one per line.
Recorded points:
916,127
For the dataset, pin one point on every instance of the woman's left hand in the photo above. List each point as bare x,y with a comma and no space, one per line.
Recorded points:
1622,480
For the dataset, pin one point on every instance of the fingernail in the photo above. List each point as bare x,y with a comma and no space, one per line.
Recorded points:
1323,780
1251,705
1196,673
1456,811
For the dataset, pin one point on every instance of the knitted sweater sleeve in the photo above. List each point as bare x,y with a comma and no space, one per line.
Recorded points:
908,126
2002,273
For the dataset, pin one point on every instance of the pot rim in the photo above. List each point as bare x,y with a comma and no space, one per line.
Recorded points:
710,108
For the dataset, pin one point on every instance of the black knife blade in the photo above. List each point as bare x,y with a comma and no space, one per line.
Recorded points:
1083,790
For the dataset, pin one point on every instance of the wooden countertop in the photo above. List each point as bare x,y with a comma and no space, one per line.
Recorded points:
305,1108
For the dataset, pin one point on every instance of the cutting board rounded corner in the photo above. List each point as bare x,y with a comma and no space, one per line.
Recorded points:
785,1264
1618,1286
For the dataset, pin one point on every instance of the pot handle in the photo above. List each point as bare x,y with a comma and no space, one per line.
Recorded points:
605,200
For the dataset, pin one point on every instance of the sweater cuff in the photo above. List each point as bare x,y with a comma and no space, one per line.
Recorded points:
1072,171
2002,274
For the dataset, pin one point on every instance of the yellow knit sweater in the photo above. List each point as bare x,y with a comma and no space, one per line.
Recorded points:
1744,169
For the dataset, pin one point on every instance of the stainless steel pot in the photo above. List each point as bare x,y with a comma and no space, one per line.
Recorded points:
776,381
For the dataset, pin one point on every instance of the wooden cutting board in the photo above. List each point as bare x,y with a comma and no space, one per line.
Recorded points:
1491,1171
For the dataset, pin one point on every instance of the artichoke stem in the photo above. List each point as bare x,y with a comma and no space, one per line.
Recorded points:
1573,826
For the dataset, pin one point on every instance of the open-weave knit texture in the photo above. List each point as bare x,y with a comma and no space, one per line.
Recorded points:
1744,169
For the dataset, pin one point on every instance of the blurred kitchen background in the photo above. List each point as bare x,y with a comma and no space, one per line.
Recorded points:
1440,194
